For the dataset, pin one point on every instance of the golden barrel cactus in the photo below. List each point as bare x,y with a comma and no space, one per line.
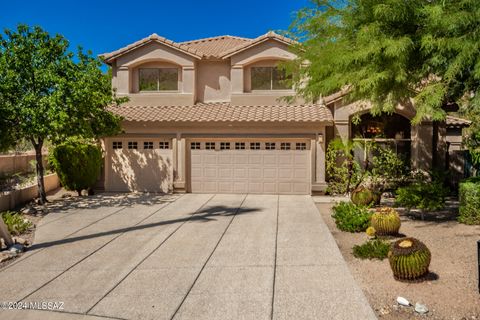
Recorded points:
409,259
385,221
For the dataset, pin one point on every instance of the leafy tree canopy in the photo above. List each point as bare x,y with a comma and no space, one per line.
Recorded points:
391,51
49,93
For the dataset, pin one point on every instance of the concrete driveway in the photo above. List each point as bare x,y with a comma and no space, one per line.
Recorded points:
192,256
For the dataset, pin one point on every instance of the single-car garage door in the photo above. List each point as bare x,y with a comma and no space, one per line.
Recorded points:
143,165
268,167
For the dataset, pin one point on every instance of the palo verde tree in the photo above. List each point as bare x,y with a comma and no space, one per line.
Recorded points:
49,93
386,52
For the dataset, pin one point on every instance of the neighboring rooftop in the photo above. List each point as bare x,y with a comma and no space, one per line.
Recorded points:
224,112
215,47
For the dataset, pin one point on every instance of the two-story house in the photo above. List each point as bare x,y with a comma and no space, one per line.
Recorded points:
207,116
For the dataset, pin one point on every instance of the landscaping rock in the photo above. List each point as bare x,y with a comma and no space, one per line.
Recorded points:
16,248
21,241
6,255
421,308
29,210
403,302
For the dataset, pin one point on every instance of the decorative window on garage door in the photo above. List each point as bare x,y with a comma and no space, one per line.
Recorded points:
301,146
254,145
285,146
164,145
224,145
147,145
132,145
210,145
117,144
195,145
269,145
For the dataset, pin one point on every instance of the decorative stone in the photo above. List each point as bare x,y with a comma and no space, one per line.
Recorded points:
403,302
21,241
29,210
17,248
421,308
6,255
2,244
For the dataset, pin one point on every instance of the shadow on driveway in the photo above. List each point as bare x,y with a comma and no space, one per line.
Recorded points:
204,215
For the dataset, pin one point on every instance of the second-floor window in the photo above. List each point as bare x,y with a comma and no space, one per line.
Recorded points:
158,79
269,78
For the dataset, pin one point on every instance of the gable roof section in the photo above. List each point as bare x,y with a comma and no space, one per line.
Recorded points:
214,47
220,47
109,57
224,112
267,36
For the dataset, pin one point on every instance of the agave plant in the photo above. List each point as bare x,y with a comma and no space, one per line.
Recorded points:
409,259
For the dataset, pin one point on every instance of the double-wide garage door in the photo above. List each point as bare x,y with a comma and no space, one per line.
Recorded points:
275,167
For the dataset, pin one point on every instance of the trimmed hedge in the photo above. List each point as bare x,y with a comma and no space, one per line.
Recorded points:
77,163
469,193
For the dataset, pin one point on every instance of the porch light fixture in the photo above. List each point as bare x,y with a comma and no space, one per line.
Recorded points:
320,137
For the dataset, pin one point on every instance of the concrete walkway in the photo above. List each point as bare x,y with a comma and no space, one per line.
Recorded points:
192,256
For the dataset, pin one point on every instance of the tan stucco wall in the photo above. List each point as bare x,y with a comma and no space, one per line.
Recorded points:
213,81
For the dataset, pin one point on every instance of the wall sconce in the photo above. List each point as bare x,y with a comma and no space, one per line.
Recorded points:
320,137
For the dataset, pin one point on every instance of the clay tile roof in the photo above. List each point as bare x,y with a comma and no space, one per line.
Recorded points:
214,47
452,121
253,42
108,57
224,112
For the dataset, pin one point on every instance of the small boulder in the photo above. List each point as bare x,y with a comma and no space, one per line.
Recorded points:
29,210
420,308
6,255
403,302
16,248
21,241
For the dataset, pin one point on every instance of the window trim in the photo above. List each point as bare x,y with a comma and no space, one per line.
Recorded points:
158,82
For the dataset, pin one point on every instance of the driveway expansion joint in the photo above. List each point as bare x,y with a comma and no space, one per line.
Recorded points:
93,252
209,257
147,256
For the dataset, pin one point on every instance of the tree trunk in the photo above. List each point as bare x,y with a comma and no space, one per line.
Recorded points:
5,234
42,195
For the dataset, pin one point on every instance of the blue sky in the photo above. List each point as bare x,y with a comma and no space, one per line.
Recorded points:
105,25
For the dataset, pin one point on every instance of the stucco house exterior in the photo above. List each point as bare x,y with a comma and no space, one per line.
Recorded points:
208,116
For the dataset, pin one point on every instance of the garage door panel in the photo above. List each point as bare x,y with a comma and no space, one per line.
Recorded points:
285,159
285,173
224,173
240,173
251,171
225,187
210,159
270,159
255,158
240,158
270,173
210,173
254,173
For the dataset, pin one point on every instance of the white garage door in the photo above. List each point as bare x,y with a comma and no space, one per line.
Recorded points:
250,167
142,165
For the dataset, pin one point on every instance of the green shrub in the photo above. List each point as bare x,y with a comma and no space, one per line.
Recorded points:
427,196
77,163
350,217
372,249
343,171
469,194
15,222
